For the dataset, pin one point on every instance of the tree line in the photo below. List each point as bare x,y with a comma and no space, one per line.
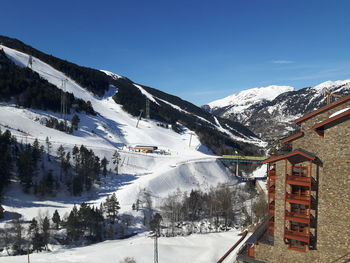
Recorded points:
219,209
41,173
85,224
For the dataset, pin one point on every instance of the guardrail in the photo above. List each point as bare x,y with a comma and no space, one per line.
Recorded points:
233,247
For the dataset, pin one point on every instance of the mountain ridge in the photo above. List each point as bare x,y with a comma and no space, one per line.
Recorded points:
221,135
274,119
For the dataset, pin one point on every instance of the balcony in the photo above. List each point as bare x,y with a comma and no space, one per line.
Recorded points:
302,199
297,235
304,218
272,174
271,208
300,180
271,191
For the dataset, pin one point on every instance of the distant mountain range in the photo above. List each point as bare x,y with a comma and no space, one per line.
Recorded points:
270,111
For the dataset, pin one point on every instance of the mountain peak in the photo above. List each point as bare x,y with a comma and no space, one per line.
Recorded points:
247,97
331,84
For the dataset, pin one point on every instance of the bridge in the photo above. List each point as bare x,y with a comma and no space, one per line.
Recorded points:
242,159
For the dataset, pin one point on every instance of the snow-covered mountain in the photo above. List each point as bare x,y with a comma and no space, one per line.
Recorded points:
269,112
239,103
176,127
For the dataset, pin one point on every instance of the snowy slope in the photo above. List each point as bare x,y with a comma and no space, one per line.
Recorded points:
191,249
186,167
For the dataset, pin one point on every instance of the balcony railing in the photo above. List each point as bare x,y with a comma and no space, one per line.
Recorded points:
298,199
297,235
299,180
272,174
271,208
304,218
272,191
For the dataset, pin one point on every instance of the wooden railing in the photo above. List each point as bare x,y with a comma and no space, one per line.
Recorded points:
297,235
299,217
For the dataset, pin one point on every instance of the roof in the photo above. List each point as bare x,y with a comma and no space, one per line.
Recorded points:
297,156
335,120
323,109
293,137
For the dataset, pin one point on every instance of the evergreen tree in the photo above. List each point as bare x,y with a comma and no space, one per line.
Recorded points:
116,160
73,225
5,159
75,122
46,231
48,148
104,164
111,207
26,167
155,223
18,236
61,154
56,219
35,236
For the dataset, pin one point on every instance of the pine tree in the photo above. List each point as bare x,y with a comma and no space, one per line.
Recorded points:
46,231
25,168
116,160
75,122
155,223
56,219
73,225
112,207
48,148
34,235
104,164
61,154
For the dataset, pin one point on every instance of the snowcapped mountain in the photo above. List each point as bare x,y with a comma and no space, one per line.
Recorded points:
237,104
269,112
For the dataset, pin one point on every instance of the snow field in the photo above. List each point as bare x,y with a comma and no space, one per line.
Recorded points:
197,248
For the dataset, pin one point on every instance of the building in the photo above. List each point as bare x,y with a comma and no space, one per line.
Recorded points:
308,194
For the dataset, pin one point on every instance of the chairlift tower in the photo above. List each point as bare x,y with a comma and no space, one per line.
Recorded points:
64,103
30,62
139,118
147,109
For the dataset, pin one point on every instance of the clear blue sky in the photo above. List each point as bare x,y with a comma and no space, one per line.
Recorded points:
199,50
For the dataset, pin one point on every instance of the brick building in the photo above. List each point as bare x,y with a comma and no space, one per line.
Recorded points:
308,194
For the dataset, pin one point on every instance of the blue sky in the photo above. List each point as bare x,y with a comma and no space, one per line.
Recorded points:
198,50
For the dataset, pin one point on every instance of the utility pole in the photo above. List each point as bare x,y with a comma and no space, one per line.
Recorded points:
237,164
156,247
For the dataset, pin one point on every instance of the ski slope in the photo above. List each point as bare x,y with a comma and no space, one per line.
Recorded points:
187,166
